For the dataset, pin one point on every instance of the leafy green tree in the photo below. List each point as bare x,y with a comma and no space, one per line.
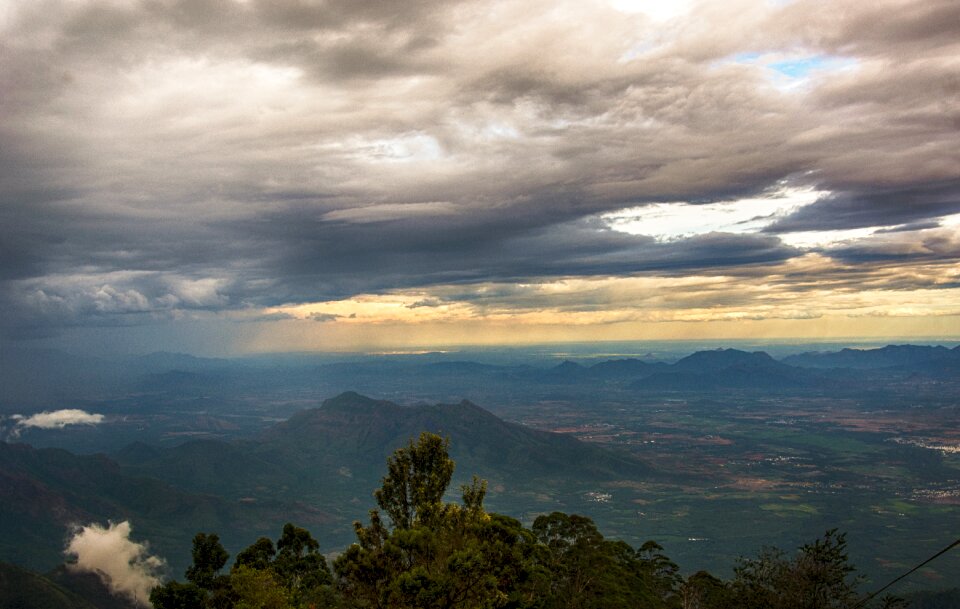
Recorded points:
657,572
257,589
587,571
174,595
209,557
299,566
417,477
207,588
704,591
819,577
436,555
291,575
258,556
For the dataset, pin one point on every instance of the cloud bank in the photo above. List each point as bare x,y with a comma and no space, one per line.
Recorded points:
171,162
125,566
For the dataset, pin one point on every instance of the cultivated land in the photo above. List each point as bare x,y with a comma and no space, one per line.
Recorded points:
758,469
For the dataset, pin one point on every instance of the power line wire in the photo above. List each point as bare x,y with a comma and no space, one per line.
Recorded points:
931,559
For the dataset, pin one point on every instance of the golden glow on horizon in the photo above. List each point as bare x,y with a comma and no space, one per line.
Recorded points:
804,297
292,336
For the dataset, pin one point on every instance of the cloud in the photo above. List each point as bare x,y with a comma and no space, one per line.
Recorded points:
55,419
888,207
426,302
906,228
125,566
166,161
384,213
58,419
933,245
324,317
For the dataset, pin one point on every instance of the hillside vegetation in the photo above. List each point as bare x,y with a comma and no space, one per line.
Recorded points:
418,551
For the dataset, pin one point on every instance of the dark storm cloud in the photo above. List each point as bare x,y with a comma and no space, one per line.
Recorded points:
329,14
885,207
930,246
164,157
325,317
908,228
327,261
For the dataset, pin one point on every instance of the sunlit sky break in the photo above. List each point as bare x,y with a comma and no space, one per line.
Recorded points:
231,176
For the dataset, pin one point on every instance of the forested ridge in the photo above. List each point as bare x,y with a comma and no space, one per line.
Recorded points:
418,551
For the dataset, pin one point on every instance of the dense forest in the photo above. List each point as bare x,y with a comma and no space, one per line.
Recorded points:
419,551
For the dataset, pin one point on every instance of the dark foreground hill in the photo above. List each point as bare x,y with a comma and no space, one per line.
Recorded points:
22,589
46,493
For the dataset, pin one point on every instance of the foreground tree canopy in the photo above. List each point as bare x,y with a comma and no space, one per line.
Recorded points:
418,552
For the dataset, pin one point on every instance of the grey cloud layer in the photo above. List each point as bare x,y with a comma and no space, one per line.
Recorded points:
166,156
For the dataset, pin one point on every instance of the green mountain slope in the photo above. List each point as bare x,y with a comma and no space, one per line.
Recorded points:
44,493
21,589
358,432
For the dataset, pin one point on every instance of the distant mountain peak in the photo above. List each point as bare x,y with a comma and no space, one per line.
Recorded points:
351,401
724,358
357,430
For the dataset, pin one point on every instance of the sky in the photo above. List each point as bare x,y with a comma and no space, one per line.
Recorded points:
237,176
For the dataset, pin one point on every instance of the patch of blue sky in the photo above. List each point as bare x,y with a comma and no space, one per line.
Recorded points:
804,67
744,58
793,70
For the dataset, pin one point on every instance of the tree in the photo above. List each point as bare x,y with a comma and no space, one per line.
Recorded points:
293,574
174,595
207,588
258,556
209,557
299,566
417,477
587,571
819,577
257,589
704,591
436,555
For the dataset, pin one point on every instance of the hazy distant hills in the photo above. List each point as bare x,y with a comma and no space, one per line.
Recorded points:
702,371
887,357
728,369
734,369
35,379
